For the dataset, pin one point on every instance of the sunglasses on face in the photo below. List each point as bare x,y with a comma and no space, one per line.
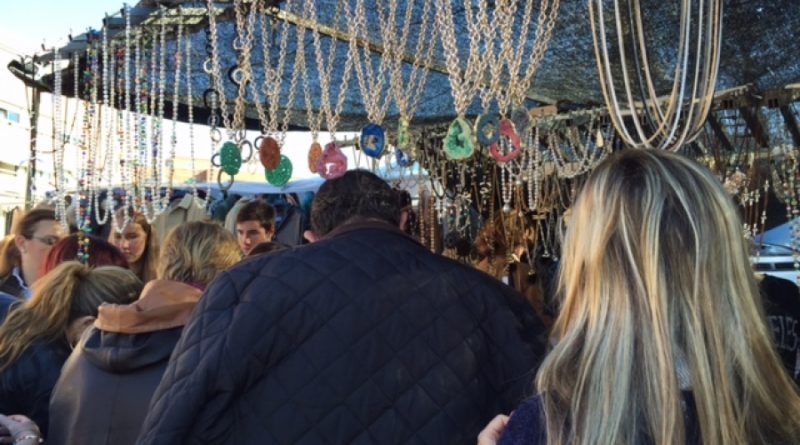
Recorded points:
46,240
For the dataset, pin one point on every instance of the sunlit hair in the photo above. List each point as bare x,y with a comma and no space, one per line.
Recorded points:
68,292
195,252
656,282
149,259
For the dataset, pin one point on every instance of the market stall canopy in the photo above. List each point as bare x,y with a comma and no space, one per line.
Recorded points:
761,45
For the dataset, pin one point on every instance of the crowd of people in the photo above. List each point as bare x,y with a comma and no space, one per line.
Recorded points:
662,334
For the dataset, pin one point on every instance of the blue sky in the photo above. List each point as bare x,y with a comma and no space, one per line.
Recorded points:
25,24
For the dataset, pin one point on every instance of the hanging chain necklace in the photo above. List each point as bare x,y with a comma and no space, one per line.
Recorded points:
273,78
407,96
201,203
535,169
60,143
330,162
126,154
669,128
277,168
269,148
159,163
108,118
519,85
325,72
374,86
458,143
229,157
173,140
82,199
145,105
583,155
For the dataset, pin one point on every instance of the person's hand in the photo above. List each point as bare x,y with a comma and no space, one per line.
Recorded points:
491,434
18,429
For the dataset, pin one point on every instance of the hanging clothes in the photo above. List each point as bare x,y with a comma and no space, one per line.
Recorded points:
181,210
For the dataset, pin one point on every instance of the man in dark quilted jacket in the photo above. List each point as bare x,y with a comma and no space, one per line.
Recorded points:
362,337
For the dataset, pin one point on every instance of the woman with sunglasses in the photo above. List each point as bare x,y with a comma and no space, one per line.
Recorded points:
23,254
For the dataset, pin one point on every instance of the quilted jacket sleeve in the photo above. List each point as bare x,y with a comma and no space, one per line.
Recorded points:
518,348
197,384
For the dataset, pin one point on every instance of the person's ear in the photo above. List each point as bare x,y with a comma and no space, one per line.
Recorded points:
77,328
404,220
22,243
310,236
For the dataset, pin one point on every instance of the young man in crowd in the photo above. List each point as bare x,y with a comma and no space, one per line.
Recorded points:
255,224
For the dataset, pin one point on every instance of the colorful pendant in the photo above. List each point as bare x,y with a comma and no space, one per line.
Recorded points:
458,143
487,129
507,130
280,175
314,153
373,140
269,152
332,163
229,158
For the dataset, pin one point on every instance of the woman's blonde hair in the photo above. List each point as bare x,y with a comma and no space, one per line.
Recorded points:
66,293
195,252
658,296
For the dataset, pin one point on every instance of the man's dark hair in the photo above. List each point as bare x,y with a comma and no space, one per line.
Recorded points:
260,211
356,195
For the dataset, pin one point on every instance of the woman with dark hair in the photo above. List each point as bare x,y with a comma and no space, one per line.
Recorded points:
100,252
36,338
23,256
138,243
119,362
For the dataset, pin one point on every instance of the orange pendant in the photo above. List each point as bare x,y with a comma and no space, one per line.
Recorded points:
270,153
314,153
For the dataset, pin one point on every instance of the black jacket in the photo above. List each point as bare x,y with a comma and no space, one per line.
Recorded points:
11,285
7,303
782,305
25,387
365,337
106,385
527,425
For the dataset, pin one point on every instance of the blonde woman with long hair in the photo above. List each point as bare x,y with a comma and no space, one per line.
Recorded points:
118,364
661,338
36,338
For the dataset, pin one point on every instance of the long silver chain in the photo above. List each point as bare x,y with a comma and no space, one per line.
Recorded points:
670,126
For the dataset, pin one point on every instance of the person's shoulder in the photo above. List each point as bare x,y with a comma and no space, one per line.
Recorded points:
771,284
41,359
781,295
7,304
526,425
